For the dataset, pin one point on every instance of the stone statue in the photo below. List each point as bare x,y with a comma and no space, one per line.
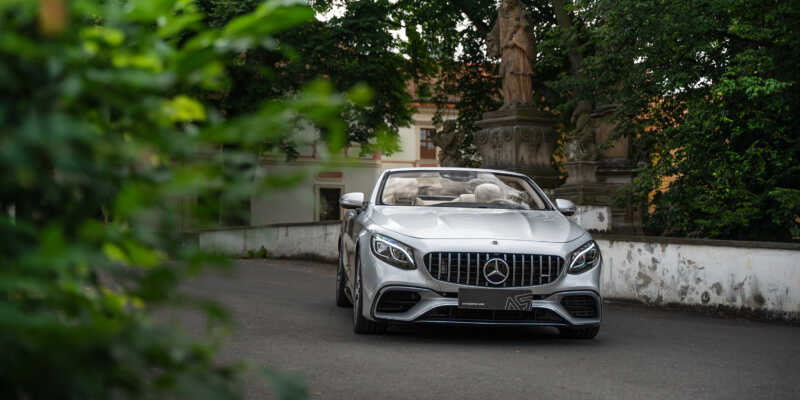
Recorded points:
511,40
449,141
582,146
518,136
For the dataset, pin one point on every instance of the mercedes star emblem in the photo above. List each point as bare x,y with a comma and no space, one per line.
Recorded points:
496,271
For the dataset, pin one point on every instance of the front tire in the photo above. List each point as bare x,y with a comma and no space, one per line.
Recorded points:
588,332
362,325
341,283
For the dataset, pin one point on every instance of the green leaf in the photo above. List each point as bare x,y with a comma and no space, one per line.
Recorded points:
115,253
184,109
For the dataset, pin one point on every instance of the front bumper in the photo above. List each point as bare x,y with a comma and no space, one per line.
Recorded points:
438,300
439,308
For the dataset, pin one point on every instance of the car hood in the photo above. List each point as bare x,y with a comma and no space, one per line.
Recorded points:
476,223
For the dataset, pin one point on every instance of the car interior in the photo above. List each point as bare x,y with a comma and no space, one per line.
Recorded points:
476,190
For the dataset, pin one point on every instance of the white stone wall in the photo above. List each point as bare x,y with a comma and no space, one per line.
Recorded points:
762,277
593,218
712,274
314,241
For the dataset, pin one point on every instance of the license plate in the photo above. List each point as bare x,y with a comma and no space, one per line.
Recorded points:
495,299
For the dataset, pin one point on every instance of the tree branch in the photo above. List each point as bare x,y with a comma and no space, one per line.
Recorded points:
565,22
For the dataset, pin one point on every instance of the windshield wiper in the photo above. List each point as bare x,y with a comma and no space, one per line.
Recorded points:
464,204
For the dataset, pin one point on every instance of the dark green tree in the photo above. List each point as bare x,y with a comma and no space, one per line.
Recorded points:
710,91
356,48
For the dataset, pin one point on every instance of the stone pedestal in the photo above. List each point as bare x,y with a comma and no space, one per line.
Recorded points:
519,139
600,190
595,185
587,193
581,172
593,218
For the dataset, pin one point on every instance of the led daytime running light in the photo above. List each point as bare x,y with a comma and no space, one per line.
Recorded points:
392,251
584,258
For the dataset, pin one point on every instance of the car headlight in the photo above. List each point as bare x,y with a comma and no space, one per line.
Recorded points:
393,252
584,258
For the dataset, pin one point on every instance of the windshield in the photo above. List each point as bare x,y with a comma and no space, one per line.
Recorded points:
456,188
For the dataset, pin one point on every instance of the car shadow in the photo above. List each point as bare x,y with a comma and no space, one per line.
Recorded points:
421,333
480,335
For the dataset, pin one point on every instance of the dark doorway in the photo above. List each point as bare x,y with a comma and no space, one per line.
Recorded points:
329,204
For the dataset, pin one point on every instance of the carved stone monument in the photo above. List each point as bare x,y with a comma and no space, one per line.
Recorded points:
597,174
517,137
449,141
581,150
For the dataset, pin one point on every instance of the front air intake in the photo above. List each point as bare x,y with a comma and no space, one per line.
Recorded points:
580,306
397,301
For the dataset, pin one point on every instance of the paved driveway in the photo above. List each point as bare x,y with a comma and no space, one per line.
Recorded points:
287,320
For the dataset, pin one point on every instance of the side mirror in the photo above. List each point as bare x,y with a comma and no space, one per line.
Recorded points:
352,200
566,207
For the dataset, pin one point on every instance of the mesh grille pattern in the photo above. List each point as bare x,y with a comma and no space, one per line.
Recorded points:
397,301
467,268
580,306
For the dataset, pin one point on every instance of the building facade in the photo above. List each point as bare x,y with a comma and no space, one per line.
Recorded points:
327,177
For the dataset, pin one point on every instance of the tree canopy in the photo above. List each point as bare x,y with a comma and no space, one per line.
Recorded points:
707,89
710,91
355,48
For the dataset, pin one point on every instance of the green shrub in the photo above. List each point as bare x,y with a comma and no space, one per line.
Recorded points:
107,141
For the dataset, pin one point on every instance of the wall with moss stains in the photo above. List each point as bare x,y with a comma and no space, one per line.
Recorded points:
751,276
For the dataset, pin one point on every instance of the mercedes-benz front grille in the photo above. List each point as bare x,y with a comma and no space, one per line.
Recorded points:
468,268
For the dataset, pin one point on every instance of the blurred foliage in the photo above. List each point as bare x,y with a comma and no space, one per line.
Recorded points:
355,48
110,129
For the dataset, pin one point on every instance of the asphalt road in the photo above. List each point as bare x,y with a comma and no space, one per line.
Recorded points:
287,320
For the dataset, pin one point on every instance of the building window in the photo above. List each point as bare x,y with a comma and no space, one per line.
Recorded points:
427,150
329,204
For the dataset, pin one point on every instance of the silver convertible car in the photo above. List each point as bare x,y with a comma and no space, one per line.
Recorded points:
466,246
